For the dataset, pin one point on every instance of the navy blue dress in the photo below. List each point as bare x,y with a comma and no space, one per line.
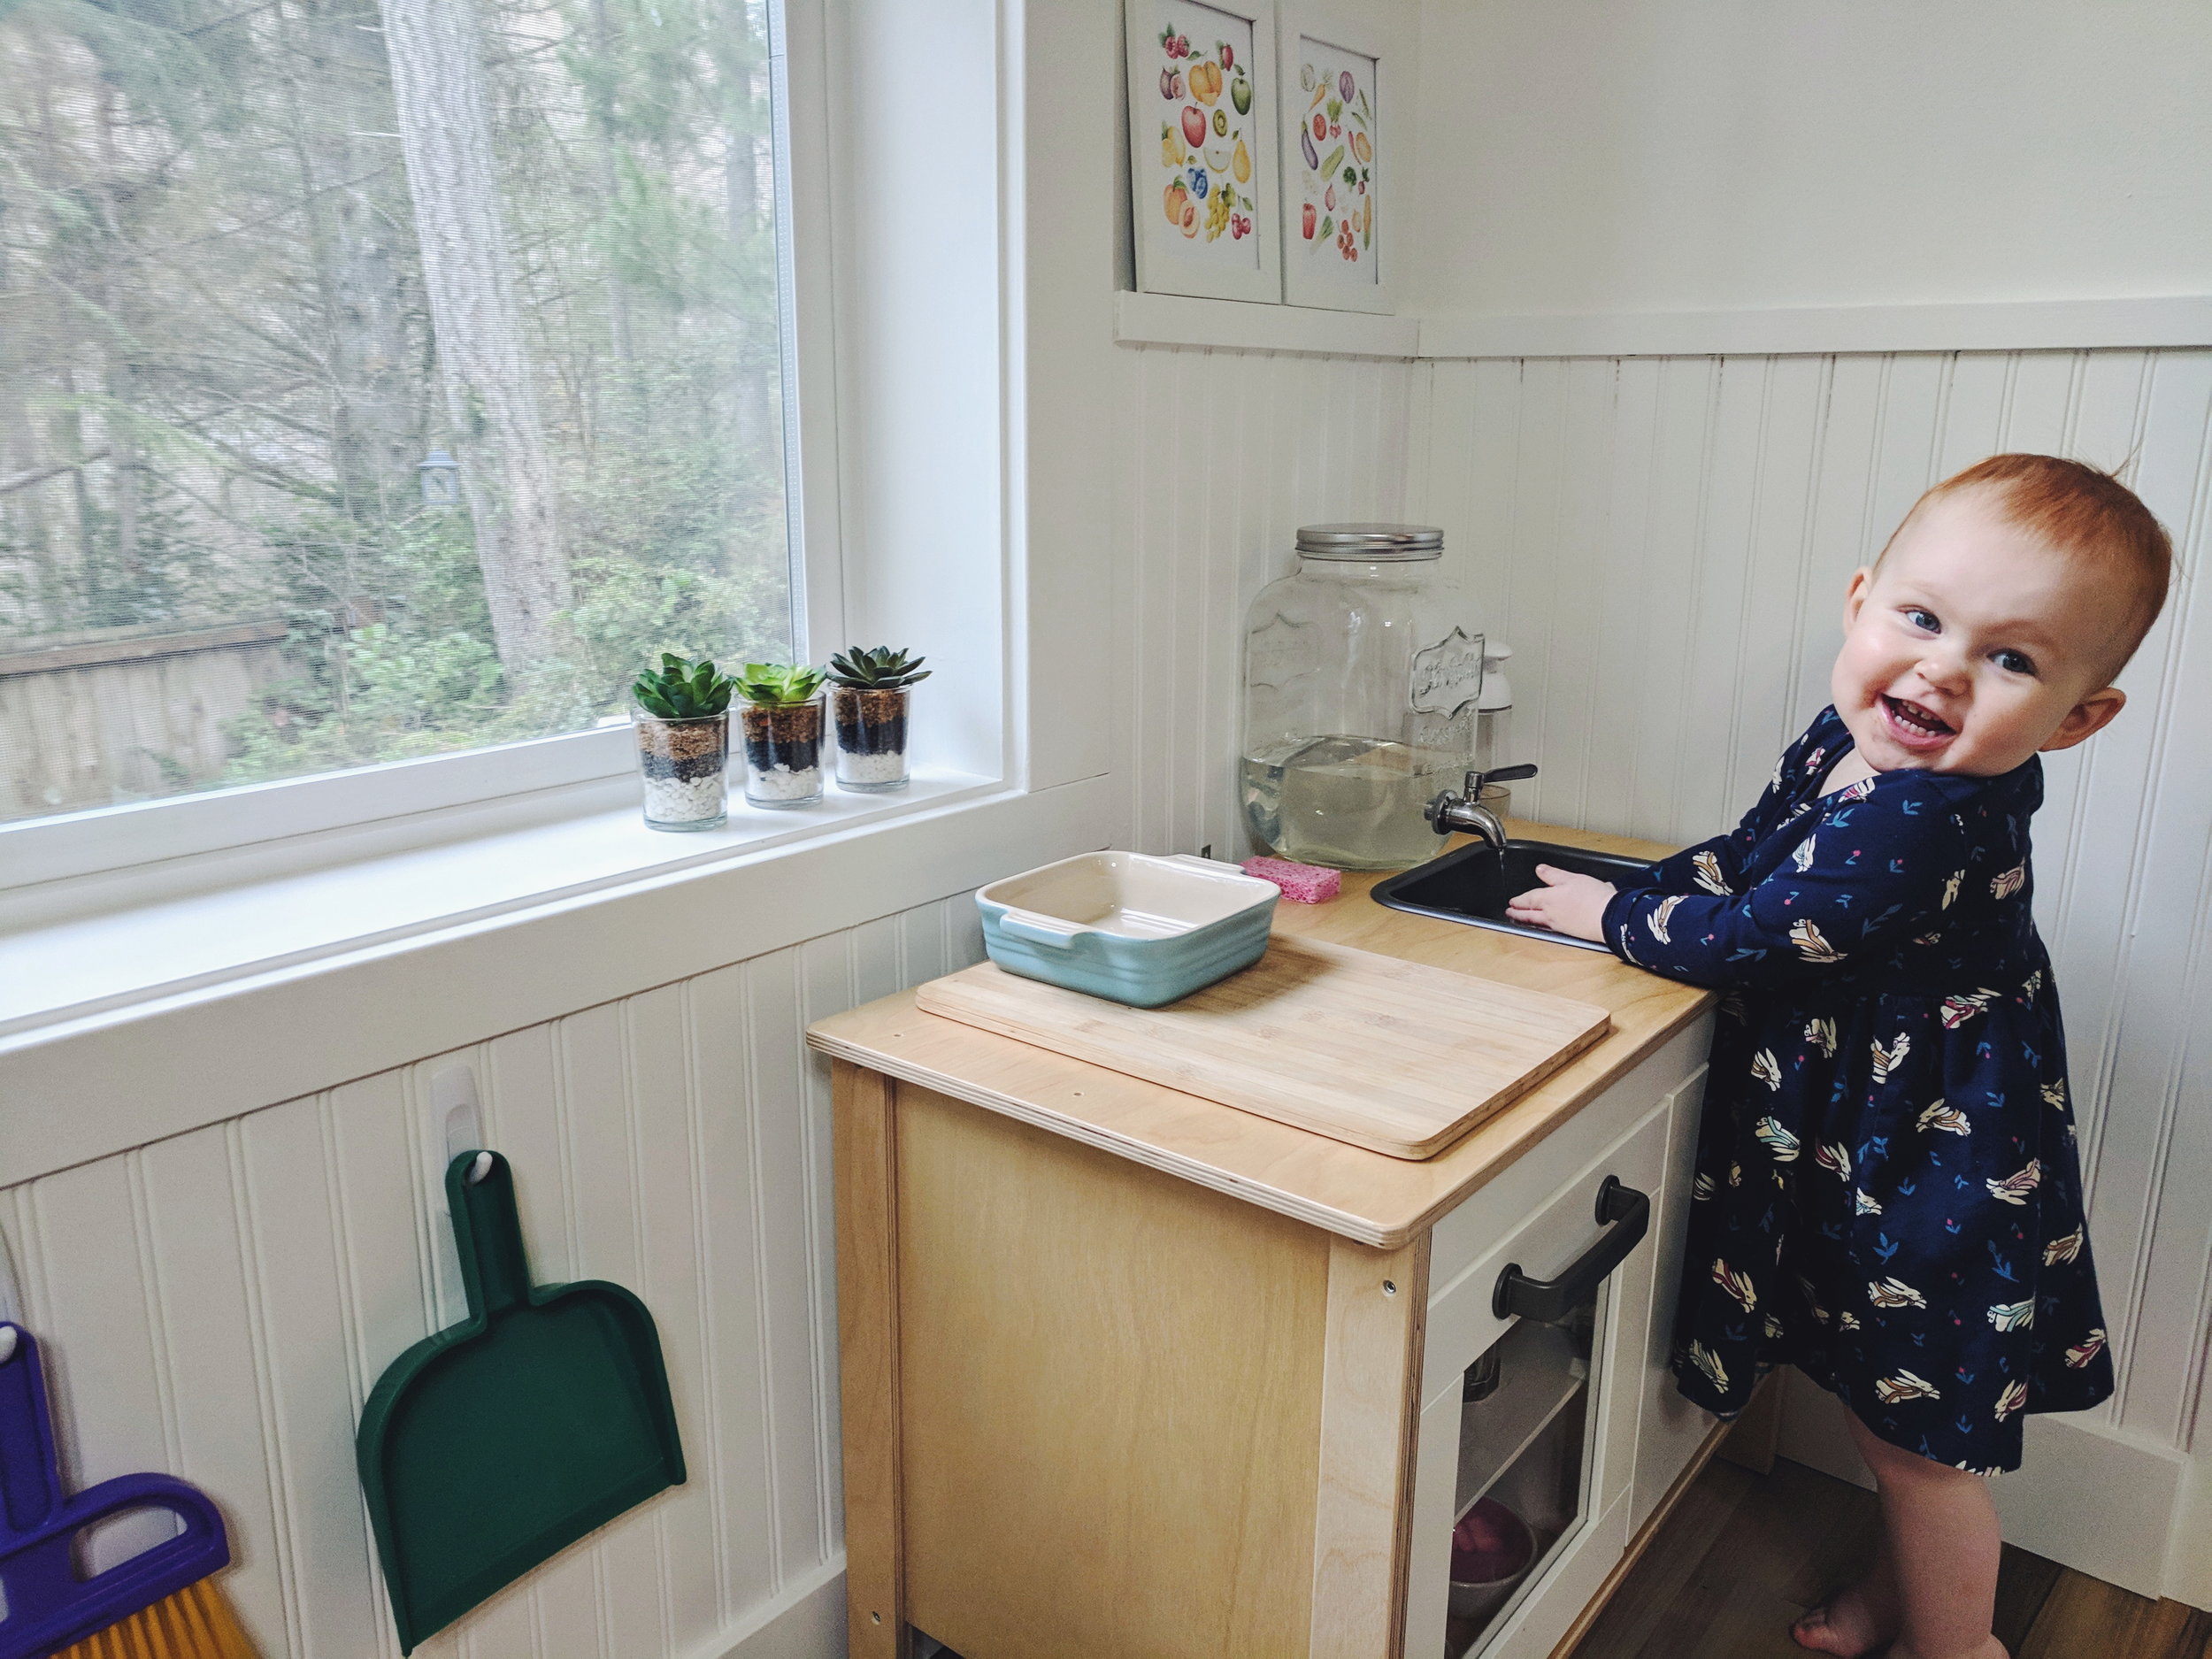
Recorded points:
1887,1195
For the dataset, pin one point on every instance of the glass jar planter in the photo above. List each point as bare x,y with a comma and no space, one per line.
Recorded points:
870,738
1360,698
783,754
685,764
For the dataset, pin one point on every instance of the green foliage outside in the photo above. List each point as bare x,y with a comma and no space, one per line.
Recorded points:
219,364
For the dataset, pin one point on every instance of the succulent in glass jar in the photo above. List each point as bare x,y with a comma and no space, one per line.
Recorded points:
870,704
782,723
880,669
683,739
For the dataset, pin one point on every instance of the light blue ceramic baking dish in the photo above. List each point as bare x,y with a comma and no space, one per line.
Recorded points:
1132,927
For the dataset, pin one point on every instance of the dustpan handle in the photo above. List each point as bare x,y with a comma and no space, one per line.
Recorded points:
487,1234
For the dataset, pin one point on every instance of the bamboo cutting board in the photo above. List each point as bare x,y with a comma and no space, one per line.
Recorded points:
1384,1054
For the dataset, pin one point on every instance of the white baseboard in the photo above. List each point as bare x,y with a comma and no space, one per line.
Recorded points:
2086,1496
807,1621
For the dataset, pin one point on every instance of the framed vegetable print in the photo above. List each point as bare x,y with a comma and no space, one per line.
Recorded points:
1336,77
1201,148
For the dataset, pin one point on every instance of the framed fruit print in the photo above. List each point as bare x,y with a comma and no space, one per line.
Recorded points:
1201,148
1336,80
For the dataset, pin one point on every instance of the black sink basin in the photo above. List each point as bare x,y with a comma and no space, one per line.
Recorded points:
1473,884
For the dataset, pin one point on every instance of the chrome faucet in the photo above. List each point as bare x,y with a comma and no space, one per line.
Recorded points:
1465,810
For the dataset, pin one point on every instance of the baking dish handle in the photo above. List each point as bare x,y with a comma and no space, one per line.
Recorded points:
1037,933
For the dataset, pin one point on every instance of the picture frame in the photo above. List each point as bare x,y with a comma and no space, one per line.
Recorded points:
1202,133
1332,260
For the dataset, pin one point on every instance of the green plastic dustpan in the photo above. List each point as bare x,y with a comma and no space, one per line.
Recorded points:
487,1448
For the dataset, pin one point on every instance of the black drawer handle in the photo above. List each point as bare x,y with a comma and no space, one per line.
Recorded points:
1625,1214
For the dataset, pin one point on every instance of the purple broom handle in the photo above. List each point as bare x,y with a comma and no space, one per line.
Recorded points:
48,1606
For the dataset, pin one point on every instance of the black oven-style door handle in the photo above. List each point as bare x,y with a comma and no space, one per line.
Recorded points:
1625,1214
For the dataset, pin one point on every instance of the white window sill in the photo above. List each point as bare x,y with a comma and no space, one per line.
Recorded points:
60,968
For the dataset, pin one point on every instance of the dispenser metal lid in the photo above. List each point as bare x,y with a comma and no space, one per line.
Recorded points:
1371,543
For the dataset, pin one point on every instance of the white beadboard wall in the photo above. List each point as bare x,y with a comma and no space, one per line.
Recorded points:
218,1304
1665,541
1224,454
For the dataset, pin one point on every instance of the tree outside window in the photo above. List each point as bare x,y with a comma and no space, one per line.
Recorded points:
378,378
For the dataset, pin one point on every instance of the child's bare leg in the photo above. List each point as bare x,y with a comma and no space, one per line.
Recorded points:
1941,1546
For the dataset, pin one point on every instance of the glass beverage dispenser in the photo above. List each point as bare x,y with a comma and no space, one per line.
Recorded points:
1360,694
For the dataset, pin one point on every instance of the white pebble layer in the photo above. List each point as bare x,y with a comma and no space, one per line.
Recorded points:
851,768
683,800
780,783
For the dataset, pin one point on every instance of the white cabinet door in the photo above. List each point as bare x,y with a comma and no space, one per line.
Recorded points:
1671,1429
1572,1471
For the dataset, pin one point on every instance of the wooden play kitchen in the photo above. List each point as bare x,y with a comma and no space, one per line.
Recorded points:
1131,1373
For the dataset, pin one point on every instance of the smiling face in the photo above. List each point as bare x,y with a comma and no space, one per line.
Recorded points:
1972,645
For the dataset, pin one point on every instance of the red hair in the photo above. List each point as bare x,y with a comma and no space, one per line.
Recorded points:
2085,514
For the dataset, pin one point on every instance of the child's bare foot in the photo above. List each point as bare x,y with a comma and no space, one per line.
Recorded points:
1846,1624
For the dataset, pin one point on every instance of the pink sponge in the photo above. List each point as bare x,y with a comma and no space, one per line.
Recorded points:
1301,884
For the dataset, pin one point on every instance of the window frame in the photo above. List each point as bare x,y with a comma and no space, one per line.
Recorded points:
103,841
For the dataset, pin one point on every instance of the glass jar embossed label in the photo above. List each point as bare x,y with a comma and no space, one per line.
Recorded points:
1448,675
1277,651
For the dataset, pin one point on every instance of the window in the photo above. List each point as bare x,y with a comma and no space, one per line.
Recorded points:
378,379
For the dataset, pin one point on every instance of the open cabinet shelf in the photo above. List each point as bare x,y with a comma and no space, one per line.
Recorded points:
1539,1375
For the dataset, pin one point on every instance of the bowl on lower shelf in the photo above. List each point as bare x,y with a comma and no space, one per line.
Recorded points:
1133,927
1492,1550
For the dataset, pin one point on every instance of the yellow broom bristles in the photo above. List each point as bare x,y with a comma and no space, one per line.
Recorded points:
195,1623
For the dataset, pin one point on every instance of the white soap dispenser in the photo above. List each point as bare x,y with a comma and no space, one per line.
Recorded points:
1494,725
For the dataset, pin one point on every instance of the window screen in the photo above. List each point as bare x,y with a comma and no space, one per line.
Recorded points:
378,378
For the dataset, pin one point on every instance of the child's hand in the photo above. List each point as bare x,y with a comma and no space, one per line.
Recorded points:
1566,903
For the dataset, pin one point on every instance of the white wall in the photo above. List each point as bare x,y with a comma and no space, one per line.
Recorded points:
1688,154
218,1303
1223,456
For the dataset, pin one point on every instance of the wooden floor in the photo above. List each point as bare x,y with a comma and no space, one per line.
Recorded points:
1744,1554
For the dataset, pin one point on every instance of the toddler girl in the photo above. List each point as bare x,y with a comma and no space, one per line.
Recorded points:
1888,1196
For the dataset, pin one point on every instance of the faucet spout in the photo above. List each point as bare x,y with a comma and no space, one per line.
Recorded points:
1465,812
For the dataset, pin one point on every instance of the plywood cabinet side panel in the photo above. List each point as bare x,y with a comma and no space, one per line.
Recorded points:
1669,1429
866,1156
1109,1396
1378,1300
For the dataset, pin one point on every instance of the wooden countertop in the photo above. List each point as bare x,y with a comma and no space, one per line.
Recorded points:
1362,1195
